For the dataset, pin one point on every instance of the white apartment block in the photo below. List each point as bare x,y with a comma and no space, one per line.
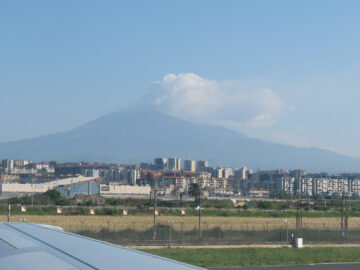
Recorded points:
327,186
243,173
322,186
7,164
40,166
354,186
134,175
306,186
21,163
286,184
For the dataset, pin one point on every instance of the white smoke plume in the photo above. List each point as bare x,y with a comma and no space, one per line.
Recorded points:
193,98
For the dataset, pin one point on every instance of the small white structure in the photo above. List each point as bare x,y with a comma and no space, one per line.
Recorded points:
117,189
299,243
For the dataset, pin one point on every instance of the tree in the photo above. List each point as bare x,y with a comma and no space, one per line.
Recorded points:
89,203
169,204
194,190
246,207
280,195
283,206
53,195
336,196
264,205
115,202
355,196
317,197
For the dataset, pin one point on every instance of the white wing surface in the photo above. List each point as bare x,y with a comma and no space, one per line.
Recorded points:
32,246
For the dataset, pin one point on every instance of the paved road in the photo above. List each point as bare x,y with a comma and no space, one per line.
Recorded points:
336,266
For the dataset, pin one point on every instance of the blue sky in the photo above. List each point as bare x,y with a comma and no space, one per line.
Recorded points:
286,71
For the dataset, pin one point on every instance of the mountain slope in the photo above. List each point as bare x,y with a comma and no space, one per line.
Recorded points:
140,135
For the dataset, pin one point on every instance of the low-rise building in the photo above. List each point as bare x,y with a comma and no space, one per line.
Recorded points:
258,193
115,189
67,187
9,177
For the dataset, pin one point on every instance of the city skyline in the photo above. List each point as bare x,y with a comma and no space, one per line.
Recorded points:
70,179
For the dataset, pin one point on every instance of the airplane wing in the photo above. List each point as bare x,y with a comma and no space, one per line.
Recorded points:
32,246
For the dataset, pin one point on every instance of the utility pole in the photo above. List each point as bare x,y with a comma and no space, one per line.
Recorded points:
9,209
199,213
155,206
287,231
181,199
170,223
32,192
298,216
344,215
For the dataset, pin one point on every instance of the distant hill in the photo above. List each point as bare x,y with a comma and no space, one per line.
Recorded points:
135,135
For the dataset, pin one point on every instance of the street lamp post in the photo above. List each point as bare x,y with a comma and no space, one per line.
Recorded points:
287,230
9,209
32,192
155,206
170,224
181,199
199,215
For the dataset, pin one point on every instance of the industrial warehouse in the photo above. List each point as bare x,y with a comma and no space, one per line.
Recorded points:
70,187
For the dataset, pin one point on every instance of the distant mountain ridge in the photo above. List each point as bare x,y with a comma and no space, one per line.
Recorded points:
141,134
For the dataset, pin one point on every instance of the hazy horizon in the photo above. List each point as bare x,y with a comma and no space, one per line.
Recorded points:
157,109
284,72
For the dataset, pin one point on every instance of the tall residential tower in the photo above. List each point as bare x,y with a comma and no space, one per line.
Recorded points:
189,165
174,164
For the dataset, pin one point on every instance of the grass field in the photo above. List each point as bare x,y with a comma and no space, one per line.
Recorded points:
207,257
187,222
119,222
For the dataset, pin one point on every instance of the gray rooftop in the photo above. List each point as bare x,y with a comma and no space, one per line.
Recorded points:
72,180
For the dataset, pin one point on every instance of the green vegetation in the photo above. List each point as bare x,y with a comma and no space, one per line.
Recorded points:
195,191
169,211
187,234
280,195
46,202
50,197
218,257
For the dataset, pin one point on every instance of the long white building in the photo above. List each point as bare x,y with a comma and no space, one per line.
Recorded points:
319,186
67,187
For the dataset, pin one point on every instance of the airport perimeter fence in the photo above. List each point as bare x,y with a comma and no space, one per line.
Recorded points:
188,234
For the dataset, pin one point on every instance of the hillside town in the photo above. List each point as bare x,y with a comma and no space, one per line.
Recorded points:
171,178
